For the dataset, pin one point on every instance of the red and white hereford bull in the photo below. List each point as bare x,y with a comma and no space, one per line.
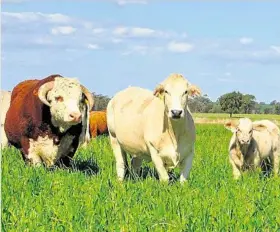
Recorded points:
48,119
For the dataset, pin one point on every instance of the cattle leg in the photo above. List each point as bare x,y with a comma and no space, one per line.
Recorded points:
275,159
235,170
30,153
185,167
159,165
136,163
120,155
33,159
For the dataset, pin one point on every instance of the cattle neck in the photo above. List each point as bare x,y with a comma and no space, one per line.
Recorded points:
242,147
47,122
175,127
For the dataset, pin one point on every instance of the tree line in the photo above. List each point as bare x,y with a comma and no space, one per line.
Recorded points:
231,103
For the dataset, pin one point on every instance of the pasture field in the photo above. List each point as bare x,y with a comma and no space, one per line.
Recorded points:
88,197
221,118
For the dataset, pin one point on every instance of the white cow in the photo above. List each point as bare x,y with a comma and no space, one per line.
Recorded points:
5,104
251,143
153,126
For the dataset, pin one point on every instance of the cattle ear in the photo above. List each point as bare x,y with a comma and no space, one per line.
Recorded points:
231,125
194,91
89,97
159,90
259,127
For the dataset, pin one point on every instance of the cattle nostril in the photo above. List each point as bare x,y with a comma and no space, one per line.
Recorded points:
176,113
75,116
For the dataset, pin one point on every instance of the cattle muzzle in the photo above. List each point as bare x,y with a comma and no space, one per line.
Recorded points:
75,117
176,113
245,142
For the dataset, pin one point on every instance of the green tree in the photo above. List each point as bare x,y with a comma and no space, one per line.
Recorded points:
274,102
277,108
248,103
268,110
231,102
216,108
200,104
100,102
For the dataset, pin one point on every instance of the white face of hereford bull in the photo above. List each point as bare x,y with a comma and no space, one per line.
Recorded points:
175,91
66,99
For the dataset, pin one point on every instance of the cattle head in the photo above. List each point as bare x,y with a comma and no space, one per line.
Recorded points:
174,91
243,130
66,98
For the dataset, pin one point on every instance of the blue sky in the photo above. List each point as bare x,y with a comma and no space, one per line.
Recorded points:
109,45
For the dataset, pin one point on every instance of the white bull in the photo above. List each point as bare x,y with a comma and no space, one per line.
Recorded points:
252,143
153,126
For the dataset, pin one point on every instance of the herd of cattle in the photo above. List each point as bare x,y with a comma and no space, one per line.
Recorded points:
48,119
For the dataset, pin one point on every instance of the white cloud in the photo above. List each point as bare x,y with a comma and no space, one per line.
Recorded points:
93,46
124,2
43,41
98,30
119,2
263,56
13,1
246,40
179,47
139,32
136,32
32,25
67,30
116,41
275,48
227,74
138,49
36,28
36,16
120,31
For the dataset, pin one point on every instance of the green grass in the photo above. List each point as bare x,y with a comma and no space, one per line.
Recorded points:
87,198
214,116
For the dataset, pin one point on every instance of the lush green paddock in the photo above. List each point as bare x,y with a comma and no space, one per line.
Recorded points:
89,198
226,116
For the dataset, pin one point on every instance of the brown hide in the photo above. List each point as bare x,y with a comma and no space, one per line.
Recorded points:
98,123
28,118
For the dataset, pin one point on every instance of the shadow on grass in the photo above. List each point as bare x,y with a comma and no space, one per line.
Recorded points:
266,169
88,167
148,172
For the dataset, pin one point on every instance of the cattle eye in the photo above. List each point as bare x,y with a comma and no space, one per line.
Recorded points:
250,131
59,99
166,91
186,92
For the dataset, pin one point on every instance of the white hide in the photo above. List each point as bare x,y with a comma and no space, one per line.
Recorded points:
5,104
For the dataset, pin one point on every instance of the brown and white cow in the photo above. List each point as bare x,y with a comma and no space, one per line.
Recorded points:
48,119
